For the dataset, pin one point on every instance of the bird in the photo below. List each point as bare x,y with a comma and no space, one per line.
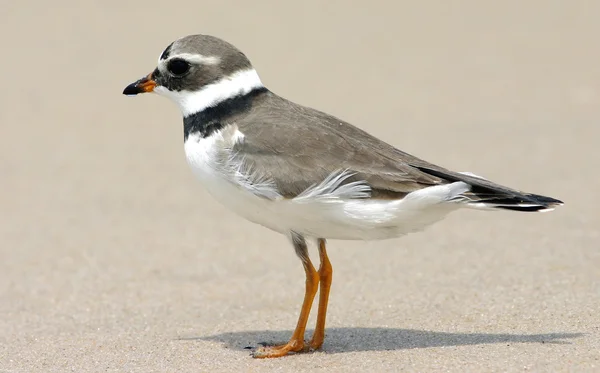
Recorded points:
304,173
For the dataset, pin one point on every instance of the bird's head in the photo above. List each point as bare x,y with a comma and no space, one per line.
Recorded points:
197,72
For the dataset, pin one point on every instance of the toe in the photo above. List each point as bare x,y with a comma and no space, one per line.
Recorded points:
278,351
270,352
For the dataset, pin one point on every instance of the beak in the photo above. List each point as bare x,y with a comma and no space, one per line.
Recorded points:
146,84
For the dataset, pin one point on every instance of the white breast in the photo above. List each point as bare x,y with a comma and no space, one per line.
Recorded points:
211,161
328,210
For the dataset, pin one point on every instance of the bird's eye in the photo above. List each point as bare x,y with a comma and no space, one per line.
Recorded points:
178,67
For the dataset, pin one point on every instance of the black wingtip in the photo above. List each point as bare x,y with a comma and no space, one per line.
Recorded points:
546,200
526,203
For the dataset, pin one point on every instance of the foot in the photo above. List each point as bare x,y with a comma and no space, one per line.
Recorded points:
265,352
316,342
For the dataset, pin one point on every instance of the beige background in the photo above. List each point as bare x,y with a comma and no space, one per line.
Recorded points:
113,258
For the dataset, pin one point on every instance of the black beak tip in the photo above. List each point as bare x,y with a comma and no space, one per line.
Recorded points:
132,89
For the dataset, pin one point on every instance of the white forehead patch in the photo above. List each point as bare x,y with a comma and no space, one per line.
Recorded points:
193,58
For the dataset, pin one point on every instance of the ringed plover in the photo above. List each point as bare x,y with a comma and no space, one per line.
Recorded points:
301,172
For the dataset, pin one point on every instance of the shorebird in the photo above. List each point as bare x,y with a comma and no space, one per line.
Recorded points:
301,172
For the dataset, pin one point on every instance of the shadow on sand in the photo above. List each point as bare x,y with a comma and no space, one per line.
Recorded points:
380,339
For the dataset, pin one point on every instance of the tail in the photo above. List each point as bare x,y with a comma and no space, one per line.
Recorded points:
517,202
484,194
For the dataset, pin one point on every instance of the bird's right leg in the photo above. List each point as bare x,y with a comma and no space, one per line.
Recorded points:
296,343
325,275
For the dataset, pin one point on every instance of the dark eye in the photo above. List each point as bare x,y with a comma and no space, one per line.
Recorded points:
178,66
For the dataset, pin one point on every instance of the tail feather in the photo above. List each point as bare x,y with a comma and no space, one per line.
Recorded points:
486,194
518,202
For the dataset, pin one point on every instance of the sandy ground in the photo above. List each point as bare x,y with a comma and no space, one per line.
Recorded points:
113,258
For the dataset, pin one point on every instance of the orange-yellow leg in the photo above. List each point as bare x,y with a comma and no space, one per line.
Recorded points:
296,343
325,276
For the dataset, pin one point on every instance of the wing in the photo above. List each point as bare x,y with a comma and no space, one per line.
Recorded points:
297,148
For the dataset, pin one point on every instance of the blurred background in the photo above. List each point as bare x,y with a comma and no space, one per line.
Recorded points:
113,258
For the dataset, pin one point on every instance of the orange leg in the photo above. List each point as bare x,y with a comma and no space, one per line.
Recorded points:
325,276
296,343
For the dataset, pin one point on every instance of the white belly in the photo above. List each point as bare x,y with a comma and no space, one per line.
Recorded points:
322,212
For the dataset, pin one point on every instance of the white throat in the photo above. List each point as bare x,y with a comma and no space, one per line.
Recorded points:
191,102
